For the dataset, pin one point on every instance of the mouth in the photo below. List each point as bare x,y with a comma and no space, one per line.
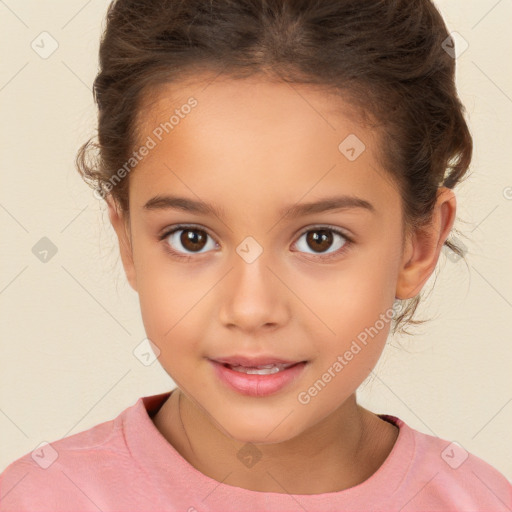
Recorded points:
257,377
268,369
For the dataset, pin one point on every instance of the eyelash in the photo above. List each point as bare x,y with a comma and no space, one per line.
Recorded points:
183,227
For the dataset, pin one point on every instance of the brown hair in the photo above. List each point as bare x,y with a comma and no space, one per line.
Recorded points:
386,56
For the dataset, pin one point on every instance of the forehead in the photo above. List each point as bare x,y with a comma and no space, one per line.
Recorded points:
255,97
259,138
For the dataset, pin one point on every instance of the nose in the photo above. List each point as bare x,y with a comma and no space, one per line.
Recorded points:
253,298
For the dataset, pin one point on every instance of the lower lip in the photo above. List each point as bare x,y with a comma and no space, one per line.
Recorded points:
258,385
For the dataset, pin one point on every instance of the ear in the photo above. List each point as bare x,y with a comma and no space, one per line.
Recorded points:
423,248
120,224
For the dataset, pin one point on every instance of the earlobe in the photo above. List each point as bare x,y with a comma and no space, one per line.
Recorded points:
424,247
119,223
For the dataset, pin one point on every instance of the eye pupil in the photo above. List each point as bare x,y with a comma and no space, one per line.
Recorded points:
193,239
317,242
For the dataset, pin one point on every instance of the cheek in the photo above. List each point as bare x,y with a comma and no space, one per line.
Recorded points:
171,323
170,302
344,300
356,306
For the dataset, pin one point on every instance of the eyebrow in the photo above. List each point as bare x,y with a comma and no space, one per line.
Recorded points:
345,202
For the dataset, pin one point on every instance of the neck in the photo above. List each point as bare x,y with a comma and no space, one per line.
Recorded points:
341,451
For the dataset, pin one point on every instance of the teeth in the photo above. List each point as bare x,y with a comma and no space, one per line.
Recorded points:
267,369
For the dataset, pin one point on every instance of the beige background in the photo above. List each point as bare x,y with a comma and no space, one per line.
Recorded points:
69,326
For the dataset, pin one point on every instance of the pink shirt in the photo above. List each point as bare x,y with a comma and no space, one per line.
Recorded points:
126,464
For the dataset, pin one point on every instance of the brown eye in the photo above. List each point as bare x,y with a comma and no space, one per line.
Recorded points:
193,240
321,240
188,240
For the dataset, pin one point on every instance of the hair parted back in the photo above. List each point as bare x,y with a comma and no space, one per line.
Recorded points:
385,57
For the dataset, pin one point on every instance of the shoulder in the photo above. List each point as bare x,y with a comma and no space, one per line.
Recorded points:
443,474
57,475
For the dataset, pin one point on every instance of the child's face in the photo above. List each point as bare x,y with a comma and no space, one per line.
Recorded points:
253,149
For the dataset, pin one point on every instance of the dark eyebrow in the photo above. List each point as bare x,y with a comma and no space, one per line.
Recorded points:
182,203
329,203
194,206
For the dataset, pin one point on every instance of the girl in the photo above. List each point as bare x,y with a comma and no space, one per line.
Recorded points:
279,175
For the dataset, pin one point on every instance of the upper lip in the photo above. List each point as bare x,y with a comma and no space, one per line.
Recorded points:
250,362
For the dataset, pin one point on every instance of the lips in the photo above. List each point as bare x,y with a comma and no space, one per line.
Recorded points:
267,369
257,376
253,362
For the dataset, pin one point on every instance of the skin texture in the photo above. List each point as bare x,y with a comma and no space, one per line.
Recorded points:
253,147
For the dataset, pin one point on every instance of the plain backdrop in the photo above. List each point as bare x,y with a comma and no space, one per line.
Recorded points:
70,323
